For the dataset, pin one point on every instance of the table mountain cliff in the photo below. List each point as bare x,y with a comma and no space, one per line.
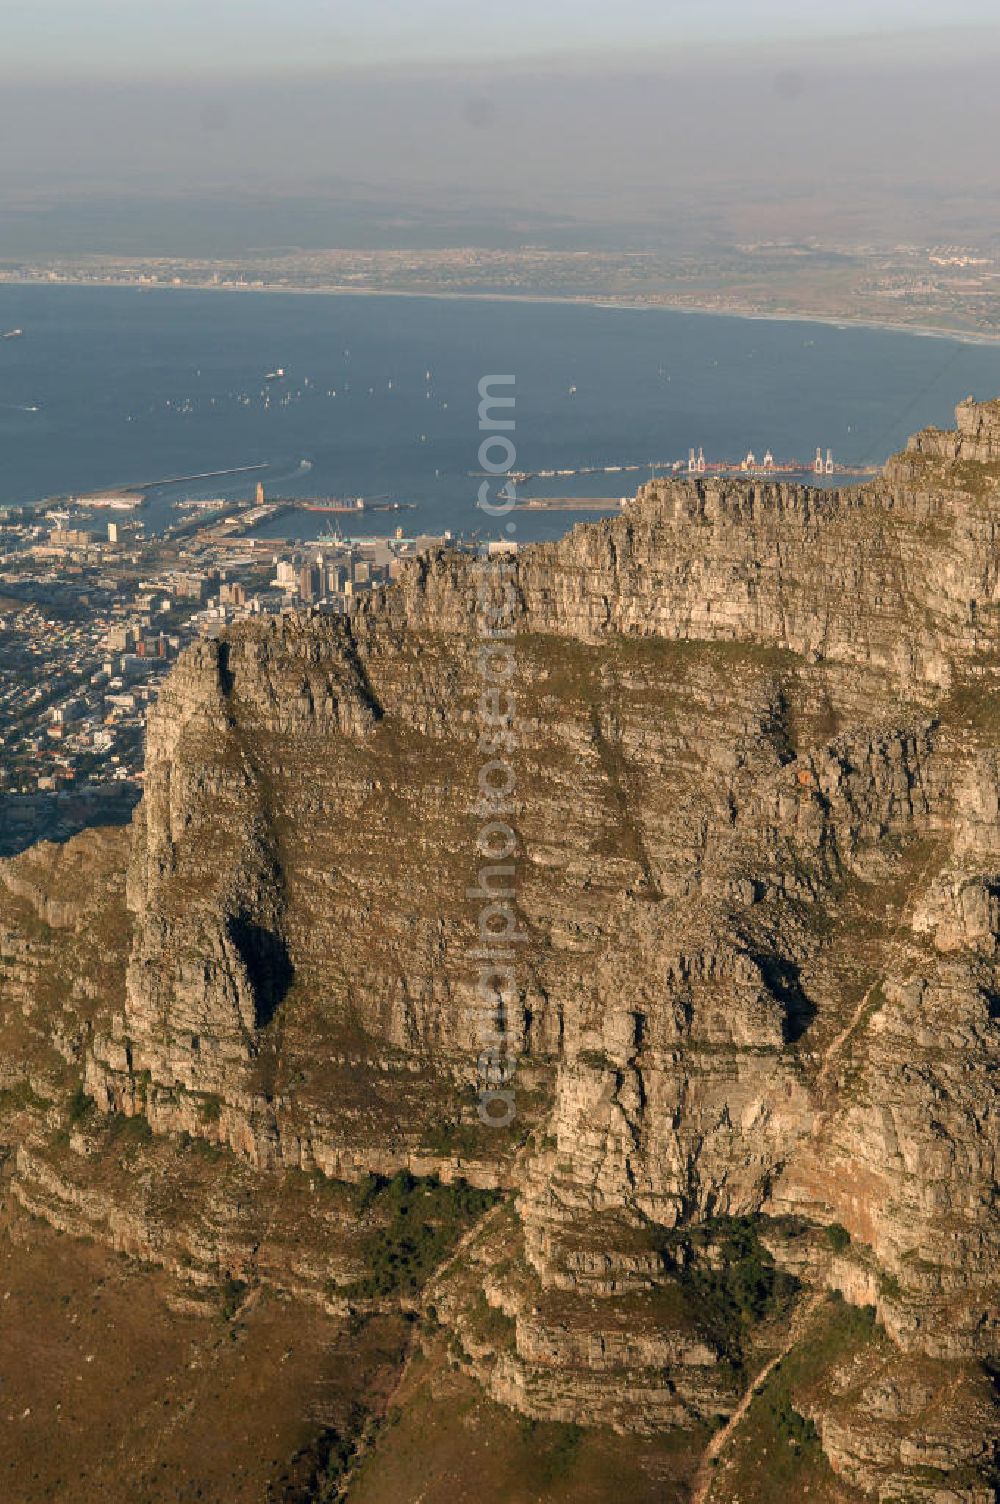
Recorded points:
749,1200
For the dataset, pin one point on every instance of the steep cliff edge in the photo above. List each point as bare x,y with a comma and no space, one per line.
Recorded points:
757,877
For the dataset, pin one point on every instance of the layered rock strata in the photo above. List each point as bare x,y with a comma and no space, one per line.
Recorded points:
758,876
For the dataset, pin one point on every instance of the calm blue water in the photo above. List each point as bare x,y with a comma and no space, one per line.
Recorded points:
131,387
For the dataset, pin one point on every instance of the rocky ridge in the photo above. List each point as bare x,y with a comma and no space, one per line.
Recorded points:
758,773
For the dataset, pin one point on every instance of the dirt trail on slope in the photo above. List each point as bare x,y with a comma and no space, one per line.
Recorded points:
704,1479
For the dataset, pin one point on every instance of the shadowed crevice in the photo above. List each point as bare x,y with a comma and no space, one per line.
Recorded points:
268,964
782,980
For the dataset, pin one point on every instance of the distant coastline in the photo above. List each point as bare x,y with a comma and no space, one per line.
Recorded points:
952,333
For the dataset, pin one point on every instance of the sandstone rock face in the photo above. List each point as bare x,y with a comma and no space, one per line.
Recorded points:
758,882
976,438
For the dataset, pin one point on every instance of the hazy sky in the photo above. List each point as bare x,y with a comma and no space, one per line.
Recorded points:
166,124
233,36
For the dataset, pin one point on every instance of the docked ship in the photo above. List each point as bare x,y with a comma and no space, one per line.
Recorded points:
111,501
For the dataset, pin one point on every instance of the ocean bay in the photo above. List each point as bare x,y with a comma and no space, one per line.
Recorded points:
113,387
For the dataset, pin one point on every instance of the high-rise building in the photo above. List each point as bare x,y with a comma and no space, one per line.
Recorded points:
309,582
191,587
68,537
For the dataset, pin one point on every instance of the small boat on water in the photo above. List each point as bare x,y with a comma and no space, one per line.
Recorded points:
14,334
277,375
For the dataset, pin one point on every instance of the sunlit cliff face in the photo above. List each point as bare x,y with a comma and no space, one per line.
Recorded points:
758,826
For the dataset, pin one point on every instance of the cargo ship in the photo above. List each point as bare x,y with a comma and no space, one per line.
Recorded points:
111,501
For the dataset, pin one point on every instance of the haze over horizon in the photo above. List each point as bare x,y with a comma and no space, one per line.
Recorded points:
220,127
220,38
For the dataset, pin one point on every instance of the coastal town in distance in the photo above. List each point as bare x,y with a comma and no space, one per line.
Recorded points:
936,286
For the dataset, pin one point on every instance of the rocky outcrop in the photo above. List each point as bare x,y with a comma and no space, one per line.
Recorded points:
757,881
976,437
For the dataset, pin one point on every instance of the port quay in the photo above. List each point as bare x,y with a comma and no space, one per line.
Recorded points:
697,464
750,467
